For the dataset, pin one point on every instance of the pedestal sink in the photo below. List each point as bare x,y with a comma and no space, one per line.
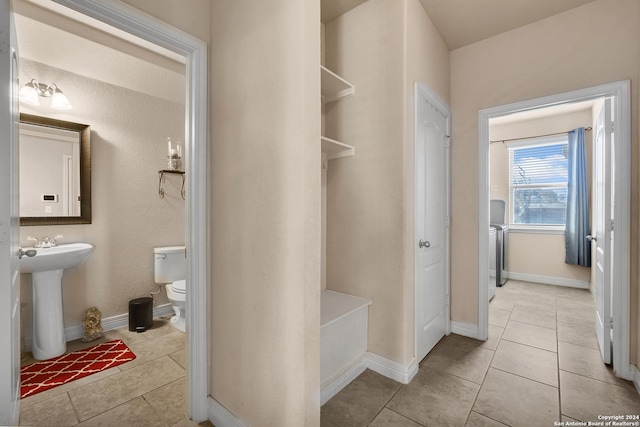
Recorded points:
46,269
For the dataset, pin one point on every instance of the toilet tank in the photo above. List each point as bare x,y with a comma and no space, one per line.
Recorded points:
170,263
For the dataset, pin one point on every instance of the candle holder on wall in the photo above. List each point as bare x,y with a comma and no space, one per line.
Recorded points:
174,156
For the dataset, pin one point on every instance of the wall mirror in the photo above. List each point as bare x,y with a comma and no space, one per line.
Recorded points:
55,171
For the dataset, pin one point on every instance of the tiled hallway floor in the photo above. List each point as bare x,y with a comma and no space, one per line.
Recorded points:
148,391
541,364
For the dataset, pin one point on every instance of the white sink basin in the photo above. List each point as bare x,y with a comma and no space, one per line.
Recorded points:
46,269
56,257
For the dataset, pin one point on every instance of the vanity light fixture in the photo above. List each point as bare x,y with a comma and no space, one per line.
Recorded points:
31,91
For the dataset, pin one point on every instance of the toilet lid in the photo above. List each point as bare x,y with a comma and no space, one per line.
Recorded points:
179,286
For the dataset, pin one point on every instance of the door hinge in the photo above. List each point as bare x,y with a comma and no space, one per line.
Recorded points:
447,141
447,221
611,224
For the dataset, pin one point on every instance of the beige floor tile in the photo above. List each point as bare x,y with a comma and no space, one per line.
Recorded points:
327,423
435,398
577,317
584,398
495,333
388,418
532,335
180,357
158,347
169,401
359,402
517,401
161,327
534,316
478,420
587,362
128,337
505,302
56,411
95,398
24,403
189,423
460,356
134,413
574,293
498,317
533,303
538,288
579,334
526,361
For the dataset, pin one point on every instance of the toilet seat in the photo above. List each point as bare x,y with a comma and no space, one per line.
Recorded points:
179,286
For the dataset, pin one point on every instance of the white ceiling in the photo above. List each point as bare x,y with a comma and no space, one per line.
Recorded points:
462,22
69,41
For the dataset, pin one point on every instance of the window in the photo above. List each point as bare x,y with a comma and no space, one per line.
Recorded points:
538,173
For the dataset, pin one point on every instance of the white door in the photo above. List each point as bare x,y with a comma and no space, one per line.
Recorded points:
431,221
602,234
9,222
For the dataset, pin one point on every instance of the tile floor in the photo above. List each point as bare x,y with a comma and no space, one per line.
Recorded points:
540,365
148,391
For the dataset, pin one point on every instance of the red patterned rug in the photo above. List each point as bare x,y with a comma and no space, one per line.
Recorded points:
47,374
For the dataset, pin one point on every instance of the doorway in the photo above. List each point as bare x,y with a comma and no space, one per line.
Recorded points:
619,93
139,24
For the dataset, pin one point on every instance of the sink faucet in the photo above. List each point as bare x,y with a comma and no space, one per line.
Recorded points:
46,241
37,243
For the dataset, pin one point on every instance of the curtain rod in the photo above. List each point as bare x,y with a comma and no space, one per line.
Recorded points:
534,137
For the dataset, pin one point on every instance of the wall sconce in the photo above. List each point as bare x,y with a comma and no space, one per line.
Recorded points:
31,91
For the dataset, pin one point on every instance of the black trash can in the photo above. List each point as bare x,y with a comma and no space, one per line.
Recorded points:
140,314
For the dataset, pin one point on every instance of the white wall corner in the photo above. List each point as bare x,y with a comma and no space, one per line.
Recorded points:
391,369
221,417
465,329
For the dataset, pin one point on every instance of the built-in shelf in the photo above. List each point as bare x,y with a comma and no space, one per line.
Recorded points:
333,87
334,149
162,178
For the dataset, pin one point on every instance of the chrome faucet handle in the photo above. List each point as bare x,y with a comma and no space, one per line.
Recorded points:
46,242
55,239
37,243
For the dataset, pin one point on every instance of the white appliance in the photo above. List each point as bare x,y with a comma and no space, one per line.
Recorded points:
492,262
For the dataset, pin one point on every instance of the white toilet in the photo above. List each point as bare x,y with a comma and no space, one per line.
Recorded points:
170,268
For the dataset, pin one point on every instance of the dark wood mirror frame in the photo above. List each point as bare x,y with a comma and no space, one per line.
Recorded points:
85,172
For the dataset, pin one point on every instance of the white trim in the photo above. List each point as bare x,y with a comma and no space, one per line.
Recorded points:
620,270
391,369
341,381
538,230
465,329
550,280
118,321
220,416
421,89
133,21
635,373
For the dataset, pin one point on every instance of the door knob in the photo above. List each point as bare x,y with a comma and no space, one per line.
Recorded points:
28,252
424,244
591,238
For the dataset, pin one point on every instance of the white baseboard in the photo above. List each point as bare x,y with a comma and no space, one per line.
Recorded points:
635,377
76,332
548,280
221,417
465,329
391,369
343,380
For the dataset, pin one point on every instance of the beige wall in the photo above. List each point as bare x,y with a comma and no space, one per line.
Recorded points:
381,47
543,58
532,253
128,147
265,165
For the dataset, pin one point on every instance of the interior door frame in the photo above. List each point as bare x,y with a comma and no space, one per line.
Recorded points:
421,91
140,24
620,91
